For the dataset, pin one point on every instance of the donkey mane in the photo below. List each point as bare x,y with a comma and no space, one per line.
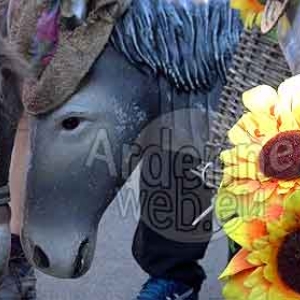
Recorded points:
190,44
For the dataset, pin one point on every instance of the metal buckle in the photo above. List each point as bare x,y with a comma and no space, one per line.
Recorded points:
4,195
274,10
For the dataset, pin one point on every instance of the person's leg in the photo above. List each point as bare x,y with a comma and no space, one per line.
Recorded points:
167,246
19,281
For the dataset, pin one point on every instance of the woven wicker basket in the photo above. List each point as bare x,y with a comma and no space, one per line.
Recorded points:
258,60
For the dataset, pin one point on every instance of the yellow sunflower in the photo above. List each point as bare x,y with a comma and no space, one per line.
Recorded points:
263,167
268,266
251,11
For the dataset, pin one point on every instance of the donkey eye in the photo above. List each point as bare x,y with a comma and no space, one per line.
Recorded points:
71,123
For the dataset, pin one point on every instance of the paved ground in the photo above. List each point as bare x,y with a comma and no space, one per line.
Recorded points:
115,275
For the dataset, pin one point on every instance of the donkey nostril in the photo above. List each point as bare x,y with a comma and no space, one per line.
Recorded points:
80,259
40,258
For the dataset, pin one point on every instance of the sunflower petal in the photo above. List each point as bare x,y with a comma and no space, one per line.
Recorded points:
286,184
273,212
260,99
264,193
249,153
226,205
289,220
254,259
255,278
237,264
237,135
247,5
285,95
229,157
249,124
243,188
248,208
234,288
270,273
276,231
259,244
288,121
259,292
266,254
296,107
226,180
284,107
243,170
275,294
242,152
267,124
289,89
292,203
245,232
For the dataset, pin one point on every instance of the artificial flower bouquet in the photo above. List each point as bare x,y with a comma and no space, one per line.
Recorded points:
259,199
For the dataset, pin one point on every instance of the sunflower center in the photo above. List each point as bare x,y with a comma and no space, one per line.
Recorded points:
288,260
280,157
